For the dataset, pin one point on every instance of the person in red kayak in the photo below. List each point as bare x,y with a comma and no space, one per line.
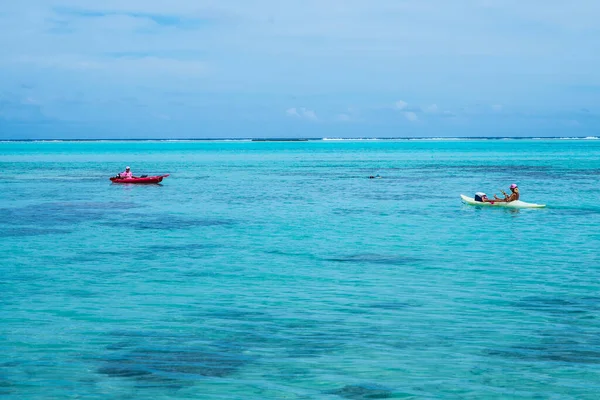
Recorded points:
508,198
127,174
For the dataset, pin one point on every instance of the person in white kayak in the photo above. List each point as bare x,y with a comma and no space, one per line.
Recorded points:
482,197
514,195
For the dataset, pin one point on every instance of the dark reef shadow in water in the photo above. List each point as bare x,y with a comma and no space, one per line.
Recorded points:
7,386
95,256
59,214
287,254
291,337
312,344
559,306
167,222
82,294
154,360
372,258
545,353
25,231
362,392
233,314
53,218
570,340
392,305
177,248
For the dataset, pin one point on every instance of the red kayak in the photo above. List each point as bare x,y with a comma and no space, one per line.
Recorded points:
147,179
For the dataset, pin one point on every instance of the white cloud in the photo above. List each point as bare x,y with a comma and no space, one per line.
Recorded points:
433,108
292,112
309,114
497,107
143,47
148,66
301,113
400,105
110,24
411,116
449,114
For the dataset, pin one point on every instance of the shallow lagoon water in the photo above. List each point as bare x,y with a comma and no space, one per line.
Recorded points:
279,270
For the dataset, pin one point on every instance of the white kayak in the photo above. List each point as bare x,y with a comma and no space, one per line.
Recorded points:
512,204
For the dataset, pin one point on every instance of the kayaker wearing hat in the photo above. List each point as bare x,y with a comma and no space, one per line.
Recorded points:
126,174
513,196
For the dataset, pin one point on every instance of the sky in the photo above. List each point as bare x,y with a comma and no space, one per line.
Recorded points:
299,68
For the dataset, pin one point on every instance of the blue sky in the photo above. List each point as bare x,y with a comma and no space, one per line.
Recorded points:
277,68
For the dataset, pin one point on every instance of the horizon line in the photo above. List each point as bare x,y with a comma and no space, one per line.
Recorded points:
304,139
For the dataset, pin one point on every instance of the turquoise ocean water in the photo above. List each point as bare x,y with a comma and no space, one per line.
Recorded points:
271,270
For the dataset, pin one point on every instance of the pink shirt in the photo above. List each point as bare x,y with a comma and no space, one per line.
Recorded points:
126,174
